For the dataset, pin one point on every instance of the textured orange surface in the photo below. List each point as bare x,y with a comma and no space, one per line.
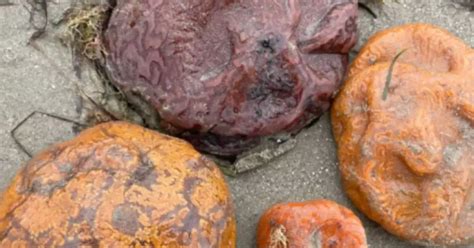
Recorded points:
408,162
118,185
318,223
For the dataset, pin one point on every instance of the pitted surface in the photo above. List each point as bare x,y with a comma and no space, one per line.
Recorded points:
118,185
313,224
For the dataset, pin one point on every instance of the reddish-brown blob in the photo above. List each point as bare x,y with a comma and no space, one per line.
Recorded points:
118,185
318,223
227,72
407,161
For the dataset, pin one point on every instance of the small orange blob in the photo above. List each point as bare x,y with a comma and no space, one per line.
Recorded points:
407,159
317,223
118,185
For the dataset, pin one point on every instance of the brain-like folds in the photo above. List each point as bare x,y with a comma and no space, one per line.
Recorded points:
226,73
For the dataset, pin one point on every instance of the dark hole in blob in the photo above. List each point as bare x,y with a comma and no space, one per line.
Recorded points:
268,44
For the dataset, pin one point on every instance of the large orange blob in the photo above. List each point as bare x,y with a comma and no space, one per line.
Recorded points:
317,223
118,185
407,160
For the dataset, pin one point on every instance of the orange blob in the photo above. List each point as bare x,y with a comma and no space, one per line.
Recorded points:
118,185
318,223
407,161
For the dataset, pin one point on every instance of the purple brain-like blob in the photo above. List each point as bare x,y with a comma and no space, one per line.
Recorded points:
227,71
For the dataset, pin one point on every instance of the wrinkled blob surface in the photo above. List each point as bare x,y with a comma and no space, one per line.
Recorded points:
407,161
315,224
118,185
225,72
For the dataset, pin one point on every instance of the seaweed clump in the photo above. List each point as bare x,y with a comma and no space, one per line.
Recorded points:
83,31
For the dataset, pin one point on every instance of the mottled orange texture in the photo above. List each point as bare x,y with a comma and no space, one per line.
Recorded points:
118,185
407,162
317,223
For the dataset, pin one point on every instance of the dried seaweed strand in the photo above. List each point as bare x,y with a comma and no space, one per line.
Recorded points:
368,9
13,131
389,74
